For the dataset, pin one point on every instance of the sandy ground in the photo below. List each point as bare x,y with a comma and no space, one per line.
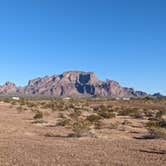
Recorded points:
25,144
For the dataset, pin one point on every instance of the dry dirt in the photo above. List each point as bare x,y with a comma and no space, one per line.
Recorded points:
25,144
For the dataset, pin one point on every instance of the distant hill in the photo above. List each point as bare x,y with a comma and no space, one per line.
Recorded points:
71,83
157,95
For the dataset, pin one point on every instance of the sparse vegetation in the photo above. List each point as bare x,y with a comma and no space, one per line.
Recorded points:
157,129
126,122
63,121
93,118
81,128
104,112
104,119
38,115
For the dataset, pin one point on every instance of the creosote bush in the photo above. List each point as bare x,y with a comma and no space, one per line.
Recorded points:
75,115
98,125
161,115
93,118
79,125
38,115
104,112
133,112
63,121
157,129
81,128
126,122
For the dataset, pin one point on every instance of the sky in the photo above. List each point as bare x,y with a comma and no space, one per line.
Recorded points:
122,40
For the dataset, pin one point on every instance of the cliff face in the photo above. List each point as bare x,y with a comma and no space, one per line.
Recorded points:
74,83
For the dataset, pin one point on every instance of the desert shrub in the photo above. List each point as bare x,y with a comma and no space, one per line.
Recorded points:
80,128
22,101
31,105
124,112
19,109
25,109
149,113
98,125
52,105
157,129
38,115
161,114
106,114
151,124
133,112
103,108
71,106
61,115
14,103
63,121
162,123
39,121
93,118
49,105
137,115
75,115
113,126
7,100
157,132
126,122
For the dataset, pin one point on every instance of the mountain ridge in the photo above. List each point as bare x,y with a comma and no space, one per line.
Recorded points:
71,83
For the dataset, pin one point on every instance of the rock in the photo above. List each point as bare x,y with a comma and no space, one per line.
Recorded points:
72,83
8,88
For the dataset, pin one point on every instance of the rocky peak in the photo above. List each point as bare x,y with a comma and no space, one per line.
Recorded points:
79,76
72,83
9,84
8,88
157,95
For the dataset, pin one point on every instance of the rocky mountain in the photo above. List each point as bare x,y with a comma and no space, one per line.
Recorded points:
72,83
157,95
8,88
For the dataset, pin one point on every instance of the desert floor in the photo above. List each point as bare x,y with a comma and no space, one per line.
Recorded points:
23,143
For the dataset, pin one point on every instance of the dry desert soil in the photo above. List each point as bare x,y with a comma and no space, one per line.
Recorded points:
23,143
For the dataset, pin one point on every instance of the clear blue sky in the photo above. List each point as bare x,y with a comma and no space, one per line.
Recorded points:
123,40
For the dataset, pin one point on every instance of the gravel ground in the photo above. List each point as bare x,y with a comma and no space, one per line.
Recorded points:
25,144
